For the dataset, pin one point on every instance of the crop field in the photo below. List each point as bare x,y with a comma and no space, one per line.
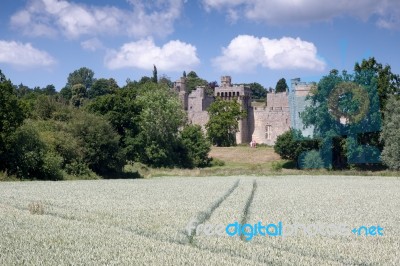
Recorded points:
148,221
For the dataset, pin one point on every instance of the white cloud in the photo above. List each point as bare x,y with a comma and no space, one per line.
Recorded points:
245,53
306,11
23,55
93,44
49,17
172,56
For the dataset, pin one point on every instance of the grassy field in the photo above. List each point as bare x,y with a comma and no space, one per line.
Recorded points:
243,160
144,221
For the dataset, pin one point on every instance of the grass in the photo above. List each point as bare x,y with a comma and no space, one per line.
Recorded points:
238,160
243,160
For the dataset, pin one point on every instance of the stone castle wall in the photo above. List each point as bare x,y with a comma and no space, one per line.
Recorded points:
198,102
263,124
271,120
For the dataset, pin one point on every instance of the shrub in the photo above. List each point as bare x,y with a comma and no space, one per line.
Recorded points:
391,134
217,162
98,141
291,144
196,145
277,166
311,160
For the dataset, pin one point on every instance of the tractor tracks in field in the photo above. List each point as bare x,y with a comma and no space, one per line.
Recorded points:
205,215
246,210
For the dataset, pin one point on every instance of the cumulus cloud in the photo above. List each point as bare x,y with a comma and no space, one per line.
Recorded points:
306,11
93,44
50,17
23,55
172,56
245,53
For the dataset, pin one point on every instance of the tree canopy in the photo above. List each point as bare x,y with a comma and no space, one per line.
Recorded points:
223,123
281,85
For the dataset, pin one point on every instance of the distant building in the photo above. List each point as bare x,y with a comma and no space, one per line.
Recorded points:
263,123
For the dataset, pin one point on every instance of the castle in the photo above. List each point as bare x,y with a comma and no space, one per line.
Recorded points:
263,123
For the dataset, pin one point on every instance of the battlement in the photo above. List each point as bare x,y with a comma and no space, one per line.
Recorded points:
301,88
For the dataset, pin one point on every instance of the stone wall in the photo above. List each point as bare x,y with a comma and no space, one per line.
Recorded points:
263,124
198,102
271,120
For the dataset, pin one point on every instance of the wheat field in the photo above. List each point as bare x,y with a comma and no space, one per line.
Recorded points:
145,221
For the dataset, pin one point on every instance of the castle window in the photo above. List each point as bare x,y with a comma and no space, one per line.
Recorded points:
230,94
268,132
218,94
237,93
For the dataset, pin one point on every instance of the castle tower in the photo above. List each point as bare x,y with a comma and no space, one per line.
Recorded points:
226,81
180,88
241,94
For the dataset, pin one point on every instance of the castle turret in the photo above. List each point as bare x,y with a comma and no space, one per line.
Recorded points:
226,81
180,88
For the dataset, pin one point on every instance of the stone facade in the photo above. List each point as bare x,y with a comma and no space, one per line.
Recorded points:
264,123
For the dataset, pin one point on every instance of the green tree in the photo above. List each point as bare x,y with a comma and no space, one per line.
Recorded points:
98,141
166,81
350,97
2,76
258,91
29,158
82,76
11,117
155,78
391,134
388,83
196,146
291,144
121,110
78,95
223,123
66,94
102,87
192,81
160,118
281,85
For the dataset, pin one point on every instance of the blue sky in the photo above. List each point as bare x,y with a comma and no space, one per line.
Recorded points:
42,41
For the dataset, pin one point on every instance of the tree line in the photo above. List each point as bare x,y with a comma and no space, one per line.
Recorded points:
93,127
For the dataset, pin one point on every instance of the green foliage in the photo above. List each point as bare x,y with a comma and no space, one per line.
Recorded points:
98,142
312,160
66,94
45,107
78,95
391,134
196,145
281,85
120,109
29,157
291,144
217,162
160,118
11,117
223,123
258,91
83,76
354,98
192,81
102,87
388,83
288,145
155,78
277,166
